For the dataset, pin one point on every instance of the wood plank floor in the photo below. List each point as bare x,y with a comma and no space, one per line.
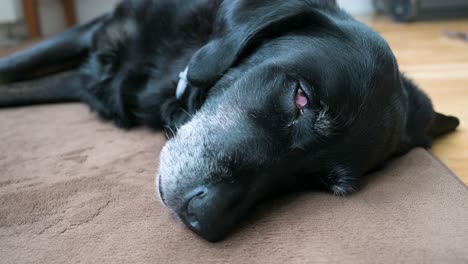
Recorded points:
439,65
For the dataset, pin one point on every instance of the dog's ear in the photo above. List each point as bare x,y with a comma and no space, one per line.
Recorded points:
240,26
424,123
442,124
63,51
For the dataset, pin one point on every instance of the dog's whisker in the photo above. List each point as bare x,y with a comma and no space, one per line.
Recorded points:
185,111
228,76
170,129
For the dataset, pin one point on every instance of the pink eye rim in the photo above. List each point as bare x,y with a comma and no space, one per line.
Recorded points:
301,100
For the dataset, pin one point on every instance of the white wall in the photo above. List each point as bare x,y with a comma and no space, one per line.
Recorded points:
52,16
8,11
52,20
88,9
357,7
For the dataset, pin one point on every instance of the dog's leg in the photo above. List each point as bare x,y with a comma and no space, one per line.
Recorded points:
61,87
47,72
63,51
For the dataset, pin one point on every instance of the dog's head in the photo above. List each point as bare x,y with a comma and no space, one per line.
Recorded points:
302,95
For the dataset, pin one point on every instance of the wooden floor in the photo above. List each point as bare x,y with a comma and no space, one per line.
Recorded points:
439,65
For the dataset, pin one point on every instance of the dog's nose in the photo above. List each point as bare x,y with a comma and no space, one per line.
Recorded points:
196,200
207,210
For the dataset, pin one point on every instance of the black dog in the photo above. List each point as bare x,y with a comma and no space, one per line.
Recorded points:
292,93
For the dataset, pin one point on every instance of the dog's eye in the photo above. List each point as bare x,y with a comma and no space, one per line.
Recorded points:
106,59
301,99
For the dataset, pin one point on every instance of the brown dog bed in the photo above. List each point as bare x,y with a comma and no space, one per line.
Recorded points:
74,189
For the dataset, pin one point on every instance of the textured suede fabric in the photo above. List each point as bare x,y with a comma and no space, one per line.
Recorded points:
74,189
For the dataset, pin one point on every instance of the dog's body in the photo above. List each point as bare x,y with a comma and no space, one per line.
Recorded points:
126,75
292,93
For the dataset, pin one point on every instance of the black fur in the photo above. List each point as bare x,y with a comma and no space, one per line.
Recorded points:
247,60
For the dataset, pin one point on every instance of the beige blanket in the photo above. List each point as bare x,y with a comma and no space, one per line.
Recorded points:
74,189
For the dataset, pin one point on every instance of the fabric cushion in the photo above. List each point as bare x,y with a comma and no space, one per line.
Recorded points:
74,189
